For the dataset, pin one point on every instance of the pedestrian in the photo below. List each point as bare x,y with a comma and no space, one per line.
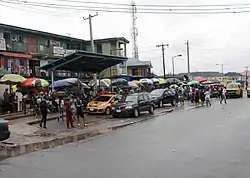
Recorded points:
79,111
73,107
207,97
196,97
68,109
202,97
176,97
44,112
6,100
224,96
19,97
61,108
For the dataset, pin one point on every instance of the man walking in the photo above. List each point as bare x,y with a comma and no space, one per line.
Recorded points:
224,95
44,113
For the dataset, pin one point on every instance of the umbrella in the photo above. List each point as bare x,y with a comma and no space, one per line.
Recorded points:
119,81
146,81
161,81
173,81
193,82
107,81
155,80
101,82
207,82
200,79
12,79
36,82
132,85
76,82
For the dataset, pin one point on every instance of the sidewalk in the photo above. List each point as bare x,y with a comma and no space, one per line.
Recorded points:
26,138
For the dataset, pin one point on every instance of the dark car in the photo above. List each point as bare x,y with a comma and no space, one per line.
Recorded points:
133,105
163,96
4,130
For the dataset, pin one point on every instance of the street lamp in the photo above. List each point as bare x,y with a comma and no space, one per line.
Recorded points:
110,69
173,61
222,70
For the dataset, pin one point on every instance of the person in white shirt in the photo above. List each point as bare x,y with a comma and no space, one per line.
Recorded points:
224,96
19,99
207,97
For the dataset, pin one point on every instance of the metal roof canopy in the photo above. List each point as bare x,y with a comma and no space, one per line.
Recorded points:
82,61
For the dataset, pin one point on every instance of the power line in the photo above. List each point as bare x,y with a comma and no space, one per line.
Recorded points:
158,5
110,9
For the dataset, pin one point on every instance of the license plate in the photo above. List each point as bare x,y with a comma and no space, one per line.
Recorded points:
118,110
91,109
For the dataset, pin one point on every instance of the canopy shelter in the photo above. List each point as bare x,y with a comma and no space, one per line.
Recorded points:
82,61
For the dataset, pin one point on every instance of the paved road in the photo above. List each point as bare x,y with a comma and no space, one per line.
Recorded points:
202,143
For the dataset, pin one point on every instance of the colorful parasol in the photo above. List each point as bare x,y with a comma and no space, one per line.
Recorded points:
161,81
193,82
12,79
200,79
35,82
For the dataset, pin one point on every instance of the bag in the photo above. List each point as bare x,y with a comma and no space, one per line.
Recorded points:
43,105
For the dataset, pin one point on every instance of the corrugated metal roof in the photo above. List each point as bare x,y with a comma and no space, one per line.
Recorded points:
133,62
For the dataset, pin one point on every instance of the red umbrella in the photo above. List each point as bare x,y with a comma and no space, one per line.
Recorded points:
207,82
200,79
28,82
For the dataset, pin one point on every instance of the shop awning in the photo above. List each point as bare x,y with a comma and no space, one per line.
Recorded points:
82,61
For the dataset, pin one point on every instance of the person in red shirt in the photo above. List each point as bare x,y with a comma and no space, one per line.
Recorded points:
69,113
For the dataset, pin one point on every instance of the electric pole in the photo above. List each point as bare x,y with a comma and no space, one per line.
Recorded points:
92,44
162,46
188,60
90,30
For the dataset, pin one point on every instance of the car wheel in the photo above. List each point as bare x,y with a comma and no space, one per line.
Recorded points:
136,113
108,111
151,110
160,105
173,103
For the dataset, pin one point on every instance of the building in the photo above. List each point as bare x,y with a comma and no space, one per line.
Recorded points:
23,51
112,46
139,68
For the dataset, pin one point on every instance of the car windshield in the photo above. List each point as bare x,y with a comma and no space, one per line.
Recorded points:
132,98
232,85
102,98
157,92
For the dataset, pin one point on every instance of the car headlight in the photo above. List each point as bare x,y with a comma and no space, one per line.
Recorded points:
128,107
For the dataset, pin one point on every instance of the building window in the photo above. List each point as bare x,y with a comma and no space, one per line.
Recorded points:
99,48
135,72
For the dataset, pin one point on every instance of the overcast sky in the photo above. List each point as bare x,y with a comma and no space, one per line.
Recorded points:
220,38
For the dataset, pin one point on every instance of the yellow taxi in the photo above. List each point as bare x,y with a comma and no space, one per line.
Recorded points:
234,90
103,104
248,91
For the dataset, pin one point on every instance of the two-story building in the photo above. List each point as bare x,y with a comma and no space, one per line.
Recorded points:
139,68
23,51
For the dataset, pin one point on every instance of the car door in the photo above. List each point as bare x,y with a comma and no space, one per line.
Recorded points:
141,102
147,101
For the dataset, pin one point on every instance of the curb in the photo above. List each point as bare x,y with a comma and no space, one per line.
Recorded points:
9,150
140,120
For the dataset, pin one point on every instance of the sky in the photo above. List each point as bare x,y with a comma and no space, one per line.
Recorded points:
214,38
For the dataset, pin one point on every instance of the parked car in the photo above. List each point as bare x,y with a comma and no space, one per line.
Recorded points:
163,96
103,104
133,105
234,90
4,130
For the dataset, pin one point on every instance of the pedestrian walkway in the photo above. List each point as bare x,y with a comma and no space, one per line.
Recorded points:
26,138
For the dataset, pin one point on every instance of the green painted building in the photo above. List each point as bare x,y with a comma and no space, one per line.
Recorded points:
23,51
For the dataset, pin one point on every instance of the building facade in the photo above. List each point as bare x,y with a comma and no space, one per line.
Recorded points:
23,51
139,68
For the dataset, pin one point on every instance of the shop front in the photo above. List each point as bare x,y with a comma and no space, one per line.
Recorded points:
15,63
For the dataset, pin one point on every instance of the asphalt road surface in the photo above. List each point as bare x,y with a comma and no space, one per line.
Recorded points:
201,143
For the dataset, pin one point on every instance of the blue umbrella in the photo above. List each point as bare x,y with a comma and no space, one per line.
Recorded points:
61,84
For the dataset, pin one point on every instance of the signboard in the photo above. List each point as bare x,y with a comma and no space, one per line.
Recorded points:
2,44
69,51
58,51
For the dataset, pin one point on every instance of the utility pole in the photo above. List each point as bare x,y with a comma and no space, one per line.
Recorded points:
222,70
134,31
90,30
188,60
162,46
92,45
